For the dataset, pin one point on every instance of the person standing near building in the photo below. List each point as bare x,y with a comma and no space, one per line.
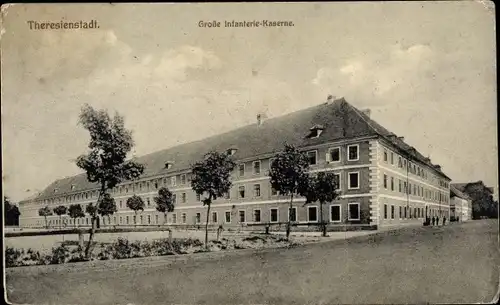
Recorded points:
433,220
444,220
437,220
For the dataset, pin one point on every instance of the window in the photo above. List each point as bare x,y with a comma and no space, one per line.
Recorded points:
271,160
336,179
385,181
256,215
385,155
409,188
156,219
385,211
241,169
354,211
352,152
183,179
256,190
183,217
312,214
140,220
156,184
392,212
274,192
198,197
400,162
214,217
227,216
256,167
405,187
121,204
227,195
174,218
127,219
174,198
197,218
241,191
273,215
135,219
173,181
392,158
333,155
242,216
121,220
183,197
292,214
335,213
354,180
312,157
149,219
148,202
400,212
392,183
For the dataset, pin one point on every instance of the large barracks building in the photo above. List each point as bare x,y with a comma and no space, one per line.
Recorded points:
382,180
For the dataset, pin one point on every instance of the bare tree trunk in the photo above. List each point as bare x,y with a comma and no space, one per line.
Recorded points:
206,224
93,221
323,225
289,223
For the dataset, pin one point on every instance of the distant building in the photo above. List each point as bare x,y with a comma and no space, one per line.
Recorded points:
481,197
383,180
460,204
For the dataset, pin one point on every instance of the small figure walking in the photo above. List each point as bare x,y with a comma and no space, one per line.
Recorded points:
433,220
437,220
444,220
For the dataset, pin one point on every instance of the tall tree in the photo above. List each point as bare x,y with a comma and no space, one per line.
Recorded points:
60,211
289,176
75,211
136,204
211,176
323,188
45,211
11,215
164,202
106,162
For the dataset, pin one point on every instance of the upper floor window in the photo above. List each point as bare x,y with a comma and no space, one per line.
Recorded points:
173,181
183,179
353,180
385,155
333,155
256,190
241,191
312,157
392,157
184,197
353,152
256,167
336,177
241,169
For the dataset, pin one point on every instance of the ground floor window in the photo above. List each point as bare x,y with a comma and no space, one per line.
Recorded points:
242,216
256,215
385,211
335,213
174,218
312,214
353,211
292,214
127,219
121,220
400,212
273,215
140,219
183,217
149,219
392,212
228,216
214,217
198,218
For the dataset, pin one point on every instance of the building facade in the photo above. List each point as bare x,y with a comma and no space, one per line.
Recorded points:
382,180
460,205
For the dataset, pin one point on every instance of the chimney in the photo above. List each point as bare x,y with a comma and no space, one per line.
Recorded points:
401,138
330,99
392,137
438,167
366,112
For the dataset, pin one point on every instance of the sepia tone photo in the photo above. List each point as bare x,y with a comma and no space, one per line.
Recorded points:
250,153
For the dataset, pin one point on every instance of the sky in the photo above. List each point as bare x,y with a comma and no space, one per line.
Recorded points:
427,70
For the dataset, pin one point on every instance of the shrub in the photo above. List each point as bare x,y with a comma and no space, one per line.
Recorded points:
12,257
60,255
121,249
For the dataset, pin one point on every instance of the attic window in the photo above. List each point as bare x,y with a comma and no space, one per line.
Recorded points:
315,131
169,164
231,151
72,187
55,190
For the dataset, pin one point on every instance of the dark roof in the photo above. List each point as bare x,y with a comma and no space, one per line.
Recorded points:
253,140
463,186
456,192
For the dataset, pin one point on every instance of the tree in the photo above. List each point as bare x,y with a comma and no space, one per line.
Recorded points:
60,210
136,204
164,202
322,188
289,175
75,211
211,176
105,163
11,215
45,211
